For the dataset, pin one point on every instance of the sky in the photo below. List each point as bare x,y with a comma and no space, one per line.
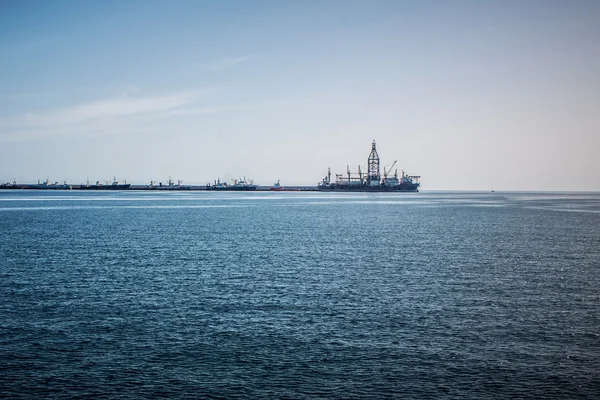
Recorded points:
469,95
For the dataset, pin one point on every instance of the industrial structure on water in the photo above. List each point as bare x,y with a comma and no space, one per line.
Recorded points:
372,181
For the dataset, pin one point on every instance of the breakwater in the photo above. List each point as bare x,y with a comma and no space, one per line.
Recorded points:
32,186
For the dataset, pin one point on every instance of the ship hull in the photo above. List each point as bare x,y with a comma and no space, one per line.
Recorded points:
232,189
363,188
106,187
50,187
171,188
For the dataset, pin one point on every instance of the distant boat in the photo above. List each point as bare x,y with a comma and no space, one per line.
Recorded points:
238,185
9,185
276,187
169,186
371,181
493,189
47,185
115,185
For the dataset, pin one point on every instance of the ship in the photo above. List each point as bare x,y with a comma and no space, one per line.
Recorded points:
171,185
372,181
115,185
13,185
238,185
276,187
46,185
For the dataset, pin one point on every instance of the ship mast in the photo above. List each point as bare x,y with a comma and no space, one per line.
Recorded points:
373,166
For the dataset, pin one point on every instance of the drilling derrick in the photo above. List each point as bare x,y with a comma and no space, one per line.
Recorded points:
373,176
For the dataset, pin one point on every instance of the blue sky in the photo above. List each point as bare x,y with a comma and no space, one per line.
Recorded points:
468,94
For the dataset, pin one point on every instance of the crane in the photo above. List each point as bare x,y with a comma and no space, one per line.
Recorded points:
385,174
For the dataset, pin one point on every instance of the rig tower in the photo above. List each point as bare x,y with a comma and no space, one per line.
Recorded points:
373,176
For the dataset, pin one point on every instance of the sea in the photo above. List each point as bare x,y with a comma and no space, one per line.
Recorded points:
299,295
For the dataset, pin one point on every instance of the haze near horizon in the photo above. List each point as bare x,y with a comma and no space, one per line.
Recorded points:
469,95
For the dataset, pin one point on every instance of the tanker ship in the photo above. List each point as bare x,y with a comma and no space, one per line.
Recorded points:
372,180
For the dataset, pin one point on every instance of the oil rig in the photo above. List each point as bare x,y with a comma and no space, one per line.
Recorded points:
372,181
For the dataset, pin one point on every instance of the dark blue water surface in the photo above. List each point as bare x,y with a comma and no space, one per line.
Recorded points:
299,295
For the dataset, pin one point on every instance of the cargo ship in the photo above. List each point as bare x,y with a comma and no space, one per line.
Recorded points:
115,185
238,185
372,180
171,185
46,185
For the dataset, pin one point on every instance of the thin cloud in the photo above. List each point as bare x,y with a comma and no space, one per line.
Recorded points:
94,114
107,109
236,108
123,115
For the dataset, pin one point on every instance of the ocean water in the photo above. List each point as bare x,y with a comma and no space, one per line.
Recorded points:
299,295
